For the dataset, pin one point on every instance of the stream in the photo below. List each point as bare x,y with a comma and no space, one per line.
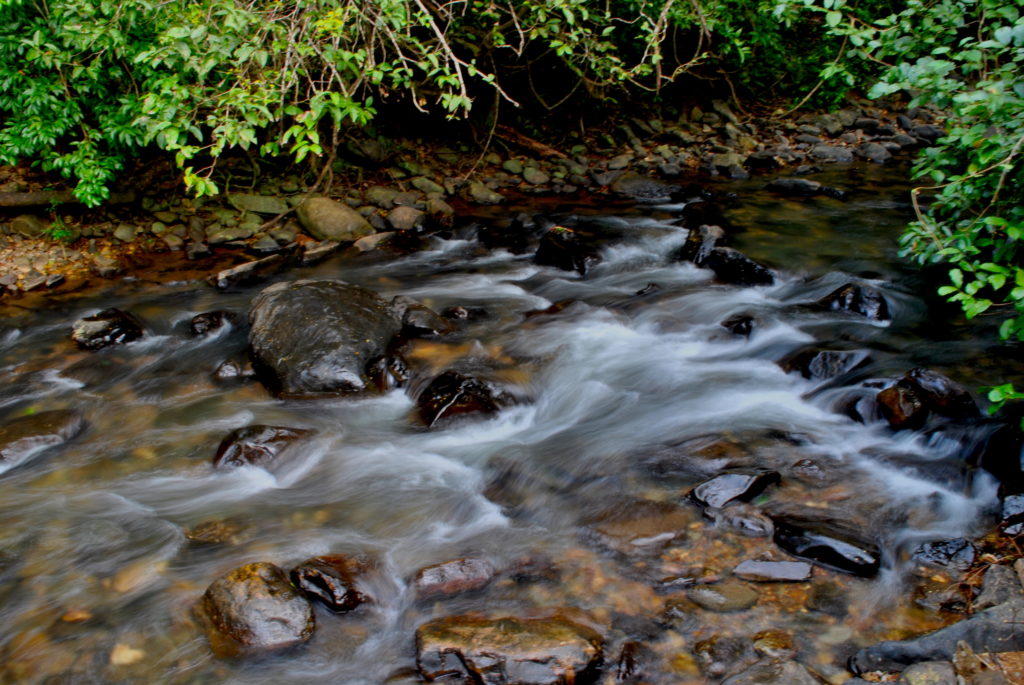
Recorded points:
623,400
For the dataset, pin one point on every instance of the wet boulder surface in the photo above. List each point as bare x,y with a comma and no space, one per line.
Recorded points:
735,268
564,248
256,445
313,339
109,327
255,608
507,650
26,437
334,580
827,544
860,299
451,578
453,395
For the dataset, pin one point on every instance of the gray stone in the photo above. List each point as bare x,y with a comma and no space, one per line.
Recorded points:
929,673
831,153
173,242
409,198
513,166
125,232
405,218
166,217
25,437
481,194
729,595
248,272
874,152
999,585
218,234
381,196
29,226
283,234
317,253
255,608
424,184
723,160
265,244
260,204
106,267
620,162
535,176
773,571
32,281
775,672
325,219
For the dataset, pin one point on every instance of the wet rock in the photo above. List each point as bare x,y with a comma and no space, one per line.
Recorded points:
874,152
720,655
637,527
775,672
865,300
453,395
419,320
217,532
828,597
314,338
256,445
211,322
562,248
935,595
537,651
999,585
745,519
942,395
929,673
699,244
817,364
832,153
250,272
325,219
317,252
231,371
802,187
735,268
643,187
629,667
955,554
1012,514
928,133
729,487
535,176
255,609
773,571
729,595
992,630
453,578
109,327
404,218
826,545
333,580
740,325
776,644
901,406
25,437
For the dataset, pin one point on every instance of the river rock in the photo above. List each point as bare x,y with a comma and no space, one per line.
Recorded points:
325,219
256,445
929,673
720,655
512,650
233,371
333,580
211,322
260,204
482,195
773,571
535,176
802,187
315,338
865,300
699,244
824,544
957,554
775,672
992,630
514,236
729,487
740,325
729,595
562,248
253,271
452,578
25,437
874,152
901,406
641,526
419,320
733,267
109,327
255,609
942,395
452,395
740,517
999,585
832,153
817,364
640,187
403,218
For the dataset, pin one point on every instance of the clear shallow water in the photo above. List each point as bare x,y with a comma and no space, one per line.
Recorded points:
618,393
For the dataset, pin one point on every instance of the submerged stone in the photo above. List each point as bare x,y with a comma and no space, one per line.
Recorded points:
109,327
821,544
452,395
729,487
773,571
333,580
637,527
735,268
729,595
533,651
256,445
452,578
211,322
864,300
24,438
255,609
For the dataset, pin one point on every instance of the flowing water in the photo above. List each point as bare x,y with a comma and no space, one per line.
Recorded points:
621,398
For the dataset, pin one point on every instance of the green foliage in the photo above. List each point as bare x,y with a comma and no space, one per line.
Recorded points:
85,85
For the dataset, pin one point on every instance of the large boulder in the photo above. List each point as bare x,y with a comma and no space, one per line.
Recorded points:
325,219
27,436
256,445
316,338
512,650
992,630
254,608
109,327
